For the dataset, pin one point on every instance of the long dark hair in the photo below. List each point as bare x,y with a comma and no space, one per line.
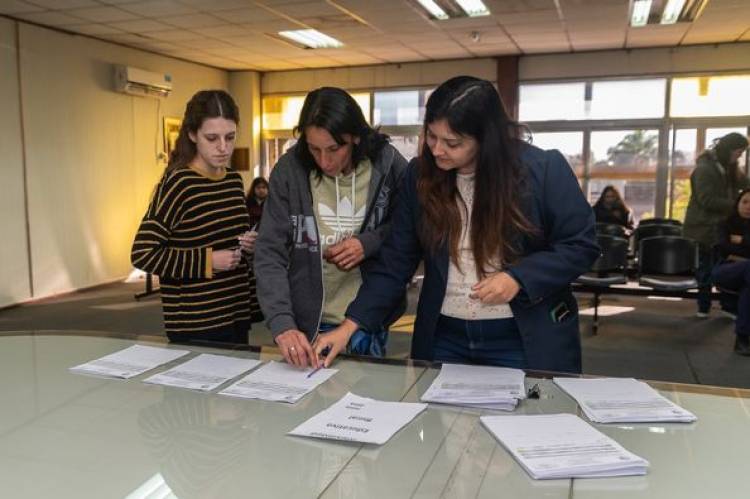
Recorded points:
724,146
256,182
334,110
472,107
203,105
619,202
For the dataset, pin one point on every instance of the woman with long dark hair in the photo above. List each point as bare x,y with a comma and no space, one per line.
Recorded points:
326,216
610,208
195,233
733,271
503,229
714,185
256,197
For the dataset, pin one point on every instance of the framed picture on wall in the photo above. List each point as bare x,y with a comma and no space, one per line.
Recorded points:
171,131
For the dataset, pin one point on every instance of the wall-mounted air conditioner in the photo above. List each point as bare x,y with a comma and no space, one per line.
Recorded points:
136,81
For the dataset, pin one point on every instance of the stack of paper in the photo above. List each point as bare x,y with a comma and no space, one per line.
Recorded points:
278,382
622,400
205,372
359,419
129,362
562,446
477,386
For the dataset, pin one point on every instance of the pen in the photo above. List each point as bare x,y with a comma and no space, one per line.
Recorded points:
324,353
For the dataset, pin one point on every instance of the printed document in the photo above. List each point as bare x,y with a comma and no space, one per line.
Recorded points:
359,419
278,382
622,400
130,362
204,372
562,446
477,386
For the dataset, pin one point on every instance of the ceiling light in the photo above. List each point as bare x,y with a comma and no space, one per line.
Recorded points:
672,11
473,8
641,10
312,38
434,9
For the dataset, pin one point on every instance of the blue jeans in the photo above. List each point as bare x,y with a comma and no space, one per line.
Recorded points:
735,276
493,342
362,342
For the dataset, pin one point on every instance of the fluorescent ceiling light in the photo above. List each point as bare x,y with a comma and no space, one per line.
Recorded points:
641,10
433,9
473,8
312,38
672,11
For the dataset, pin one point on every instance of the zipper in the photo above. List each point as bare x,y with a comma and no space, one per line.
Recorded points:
320,260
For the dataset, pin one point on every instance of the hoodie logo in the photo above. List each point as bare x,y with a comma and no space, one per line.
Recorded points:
347,224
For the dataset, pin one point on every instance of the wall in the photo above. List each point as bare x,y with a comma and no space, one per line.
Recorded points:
412,74
687,59
245,88
91,156
14,265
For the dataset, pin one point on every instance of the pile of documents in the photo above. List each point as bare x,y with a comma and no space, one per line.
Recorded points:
204,372
278,382
481,387
562,446
359,419
622,400
130,362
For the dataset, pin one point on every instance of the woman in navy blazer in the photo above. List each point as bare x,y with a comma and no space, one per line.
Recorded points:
503,229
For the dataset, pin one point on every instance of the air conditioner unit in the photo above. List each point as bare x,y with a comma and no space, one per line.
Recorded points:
136,81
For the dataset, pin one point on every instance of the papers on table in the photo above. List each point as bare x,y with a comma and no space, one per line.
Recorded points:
278,382
129,362
204,372
359,419
562,446
622,400
477,386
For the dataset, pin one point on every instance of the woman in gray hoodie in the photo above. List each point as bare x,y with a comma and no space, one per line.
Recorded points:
327,213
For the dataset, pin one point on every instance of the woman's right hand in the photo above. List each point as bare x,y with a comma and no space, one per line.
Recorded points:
296,349
225,259
334,341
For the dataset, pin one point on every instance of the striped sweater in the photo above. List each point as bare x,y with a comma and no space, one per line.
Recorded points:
190,216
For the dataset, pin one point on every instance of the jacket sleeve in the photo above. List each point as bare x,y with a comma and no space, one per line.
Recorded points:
271,259
151,250
372,239
568,229
396,262
708,190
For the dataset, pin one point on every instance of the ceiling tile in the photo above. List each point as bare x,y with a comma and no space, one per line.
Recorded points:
246,15
103,14
65,4
94,29
50,18
140,26
14,7
191,21
158,8
175,35
216,5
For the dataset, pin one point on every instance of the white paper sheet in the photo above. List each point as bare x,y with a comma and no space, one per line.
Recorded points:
278,382
622,400
204,372
359,419
129,362
562,446
477,386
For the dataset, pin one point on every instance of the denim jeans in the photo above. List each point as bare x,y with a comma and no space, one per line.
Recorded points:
735,276
362,342
494,342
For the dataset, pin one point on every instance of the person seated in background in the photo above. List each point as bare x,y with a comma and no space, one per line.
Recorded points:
195,234
503,229
326,216
715,183
733,271
610,208
256,196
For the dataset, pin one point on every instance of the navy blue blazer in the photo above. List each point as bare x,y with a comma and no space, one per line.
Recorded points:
563,248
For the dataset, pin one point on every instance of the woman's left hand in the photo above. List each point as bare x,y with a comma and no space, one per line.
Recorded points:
347,254
334,341
496,289
247,241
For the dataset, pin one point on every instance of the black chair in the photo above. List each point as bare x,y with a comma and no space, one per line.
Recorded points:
668,263
607,270
659,221
654,230
610,230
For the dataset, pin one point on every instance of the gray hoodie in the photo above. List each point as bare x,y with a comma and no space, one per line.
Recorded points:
288,260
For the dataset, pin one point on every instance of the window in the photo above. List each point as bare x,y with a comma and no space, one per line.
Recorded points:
570,144
627,99
551,101
403,107
711,96
281,112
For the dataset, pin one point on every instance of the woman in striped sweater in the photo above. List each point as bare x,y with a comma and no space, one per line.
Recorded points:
196,233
